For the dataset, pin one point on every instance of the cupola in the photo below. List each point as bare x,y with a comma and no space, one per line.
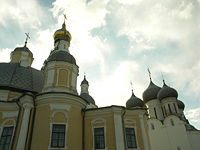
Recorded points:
181,105
62,34
85,92
151,92
134,102
22,55
167,91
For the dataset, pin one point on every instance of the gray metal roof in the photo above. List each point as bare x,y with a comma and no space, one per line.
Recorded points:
134,101
181,105
61,56
88,98
84,81
12,75
167,91
151,92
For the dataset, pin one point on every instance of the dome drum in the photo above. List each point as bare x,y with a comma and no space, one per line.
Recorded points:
61,56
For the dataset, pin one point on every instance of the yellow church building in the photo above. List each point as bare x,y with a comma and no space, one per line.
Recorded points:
42,110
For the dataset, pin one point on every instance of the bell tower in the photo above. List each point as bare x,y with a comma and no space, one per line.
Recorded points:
60,68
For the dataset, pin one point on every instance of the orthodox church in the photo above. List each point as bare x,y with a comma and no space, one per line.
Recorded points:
42,110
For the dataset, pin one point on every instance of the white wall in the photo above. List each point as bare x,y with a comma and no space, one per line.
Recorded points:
166,136
157,105
194,139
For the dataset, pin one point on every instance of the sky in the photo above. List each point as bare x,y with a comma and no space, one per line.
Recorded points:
114,42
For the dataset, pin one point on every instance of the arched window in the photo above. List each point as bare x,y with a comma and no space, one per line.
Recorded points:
155,112
165,111
172,122
170,111
6,135
130,137
99,132
58,129
152,126
175,108
162,111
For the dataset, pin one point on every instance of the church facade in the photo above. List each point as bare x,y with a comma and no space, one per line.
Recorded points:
42,110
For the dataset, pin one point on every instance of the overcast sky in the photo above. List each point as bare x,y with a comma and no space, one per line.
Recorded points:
114,42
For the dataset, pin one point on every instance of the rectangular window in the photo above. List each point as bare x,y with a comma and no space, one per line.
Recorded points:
163,112
99,140
130,138
6,137
58,136
155,112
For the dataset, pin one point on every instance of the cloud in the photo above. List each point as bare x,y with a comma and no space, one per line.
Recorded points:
5,55
194,116
164,34
83,17
21,11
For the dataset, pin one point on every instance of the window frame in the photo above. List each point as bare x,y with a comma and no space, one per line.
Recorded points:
104,143
135,137
51,135
11,139
98,123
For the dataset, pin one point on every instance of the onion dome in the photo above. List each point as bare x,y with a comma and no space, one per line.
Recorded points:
134,101
61,56
167,91
181,105
19,78
151,92
87,97
62,34
24,48
84,81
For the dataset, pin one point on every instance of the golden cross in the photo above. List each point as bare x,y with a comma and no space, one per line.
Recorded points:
65,18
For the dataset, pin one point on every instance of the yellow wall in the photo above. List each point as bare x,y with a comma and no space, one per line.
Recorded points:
44,119
109,133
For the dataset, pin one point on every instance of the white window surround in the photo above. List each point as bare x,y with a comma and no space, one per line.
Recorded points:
59,111
13,125
66,129
135,128
99,121
62,123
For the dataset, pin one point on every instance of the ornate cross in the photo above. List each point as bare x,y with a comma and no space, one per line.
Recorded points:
149,73
27,37
65,18
131,86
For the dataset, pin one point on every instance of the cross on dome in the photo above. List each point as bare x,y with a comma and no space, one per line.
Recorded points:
149,74
27,37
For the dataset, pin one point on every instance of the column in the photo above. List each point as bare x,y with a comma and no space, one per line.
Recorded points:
144,135
24,126
119,136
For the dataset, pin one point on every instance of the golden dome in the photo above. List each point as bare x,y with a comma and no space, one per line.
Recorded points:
62,34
